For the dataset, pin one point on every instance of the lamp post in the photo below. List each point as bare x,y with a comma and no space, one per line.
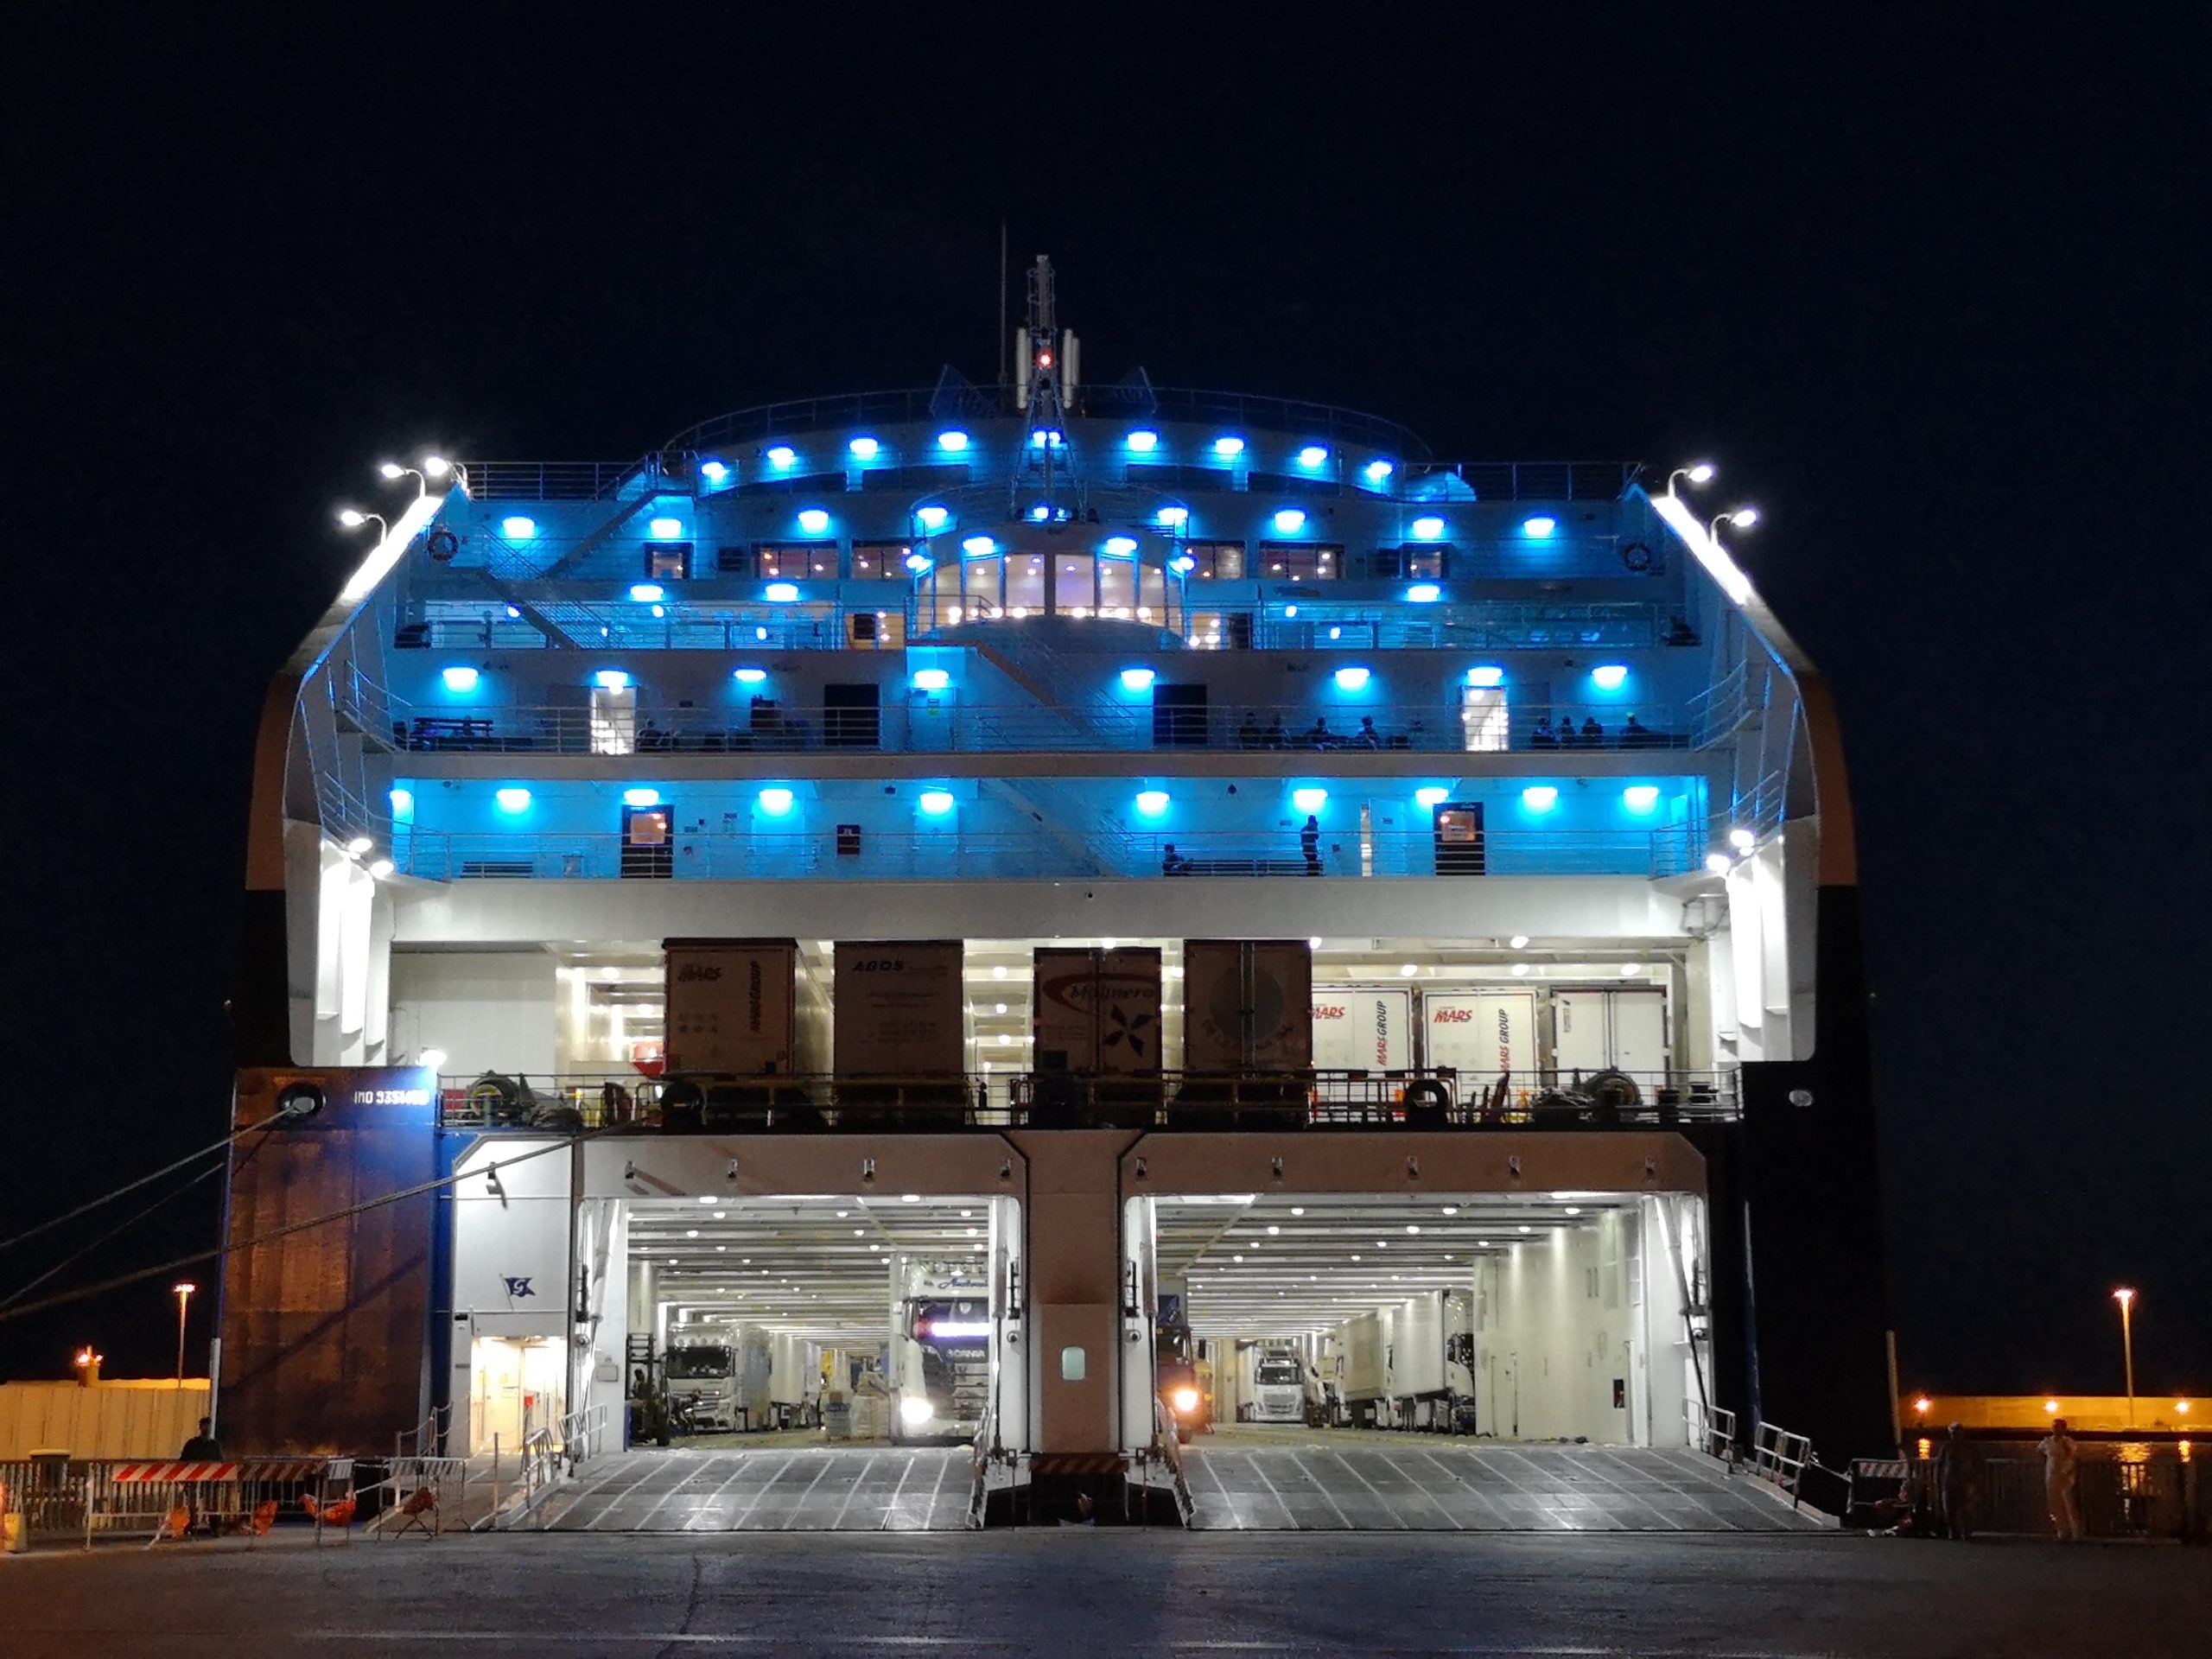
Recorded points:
353,518
1699,472
1741,518
2126,1298
395,472
183,1293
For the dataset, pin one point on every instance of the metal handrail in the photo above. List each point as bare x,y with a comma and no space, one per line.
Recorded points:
1711,1429
1779,1456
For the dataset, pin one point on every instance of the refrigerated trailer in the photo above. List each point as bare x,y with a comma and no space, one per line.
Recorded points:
741,1012
1411,1365
901,1008
1095,1022
1248,1005
1363,1029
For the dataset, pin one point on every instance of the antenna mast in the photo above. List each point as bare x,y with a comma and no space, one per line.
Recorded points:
1043,370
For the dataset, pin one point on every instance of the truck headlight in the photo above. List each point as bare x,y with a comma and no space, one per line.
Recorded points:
914,1412
1186,1400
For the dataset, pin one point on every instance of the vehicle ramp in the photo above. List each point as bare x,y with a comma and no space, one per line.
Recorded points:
1343,1481
766,1489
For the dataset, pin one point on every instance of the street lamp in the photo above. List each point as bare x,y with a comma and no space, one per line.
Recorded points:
353,518
395,472
1701,473
1741,518
2126,1298
183,1294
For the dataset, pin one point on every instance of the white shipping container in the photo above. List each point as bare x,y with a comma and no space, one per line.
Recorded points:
901,1008
1363,1029
1248,1005
1482,1034
1433,1345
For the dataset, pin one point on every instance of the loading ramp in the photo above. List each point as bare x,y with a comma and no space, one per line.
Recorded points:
765,1489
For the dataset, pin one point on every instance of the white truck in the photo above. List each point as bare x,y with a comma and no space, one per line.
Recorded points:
940,1372
1278,1387
1411,1365
701,1369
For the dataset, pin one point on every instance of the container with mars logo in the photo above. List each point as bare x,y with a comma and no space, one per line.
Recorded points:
1481,1035
1363,1029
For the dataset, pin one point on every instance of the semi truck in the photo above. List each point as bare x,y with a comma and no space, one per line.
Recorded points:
1094,1022
700,1370
940,1351
1278,1387
1411,1365
748,1025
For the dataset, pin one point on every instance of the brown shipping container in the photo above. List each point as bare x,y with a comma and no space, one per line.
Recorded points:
1097,1012
901,1008
735,1008
1248,1005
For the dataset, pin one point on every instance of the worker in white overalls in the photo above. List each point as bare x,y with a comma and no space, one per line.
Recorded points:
2058,1485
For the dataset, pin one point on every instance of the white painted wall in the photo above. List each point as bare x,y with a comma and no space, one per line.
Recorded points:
511,1259
490,1011
1554,1318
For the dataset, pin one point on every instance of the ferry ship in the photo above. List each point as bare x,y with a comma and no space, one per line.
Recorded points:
1200,874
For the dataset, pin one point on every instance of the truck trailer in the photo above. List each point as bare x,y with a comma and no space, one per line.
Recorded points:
1095,1022
1247,1030
748,1027
1411,1365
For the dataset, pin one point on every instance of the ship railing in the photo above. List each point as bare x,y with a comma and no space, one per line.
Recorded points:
1440,1098
559,480
955,854
734,626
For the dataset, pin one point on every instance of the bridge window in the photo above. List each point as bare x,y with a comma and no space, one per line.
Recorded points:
1301,561
667,559
1215,561
873,559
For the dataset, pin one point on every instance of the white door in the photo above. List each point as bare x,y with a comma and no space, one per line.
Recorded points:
1579,1039
1639,1039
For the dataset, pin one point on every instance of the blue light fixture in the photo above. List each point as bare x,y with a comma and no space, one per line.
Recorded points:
1432,796
1609,677
641,797
403,803
932,518
918,563
780,592
1640,797
1182,564
518,529
1290,610
713,471
1378,471
782,456
1039,513
1539,529
749,675
512,800
646,593
864,448
1313,454
512,613
1424,593
1289,521
1138,679
936,802
1309,800
775,801
1174,518
952,442
1119,546
1539,797
666,530
1143,443
1229,448
1486,678
1428,530
1045,437
1351,679
976,547
813,520
459,678
1151,802
611,679
931,679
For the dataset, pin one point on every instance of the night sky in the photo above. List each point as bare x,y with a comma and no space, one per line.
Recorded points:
1927,281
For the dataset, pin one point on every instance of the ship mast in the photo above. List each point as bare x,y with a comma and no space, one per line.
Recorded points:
1044,377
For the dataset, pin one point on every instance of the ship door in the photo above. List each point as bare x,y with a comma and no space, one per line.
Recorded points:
1459,833
648,844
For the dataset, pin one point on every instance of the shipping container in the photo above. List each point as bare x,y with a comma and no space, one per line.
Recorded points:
1363,1029
1248,1005
1097,1012
744,1008
1483,1036
900,1009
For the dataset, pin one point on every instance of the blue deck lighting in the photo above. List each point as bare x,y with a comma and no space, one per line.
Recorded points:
1432,796
780,592
518,529
1540,528
1313,454
782,456
931,679
1539,797
459,678
1143,443
1486,678
1609,677
864,448
1424,593
936,802
666,530
1352,679
403,803
1289,521
749,675
1119,546
1309,800
1174,518
1138,679
713,471
645,593
1182,564
611,679
512,800
1151,802
952,442
932,518
775,801
641,797
1428,530
918,563
1640,797
1378,471
813,520
977,547
1229,448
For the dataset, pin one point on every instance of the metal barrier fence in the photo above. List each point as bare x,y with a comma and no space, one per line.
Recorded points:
1779,1457
429,1495
1321,1099
110,1497
2122,1489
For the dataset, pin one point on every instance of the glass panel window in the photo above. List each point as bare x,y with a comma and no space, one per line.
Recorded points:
1075,591
1483,712
1025,584
1301,561
1427,560
1215,561
668,560
1117,588
613,720
980,580
788,559
877,559
1152,595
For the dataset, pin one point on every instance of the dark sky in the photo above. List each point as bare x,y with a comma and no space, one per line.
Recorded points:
1928,281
